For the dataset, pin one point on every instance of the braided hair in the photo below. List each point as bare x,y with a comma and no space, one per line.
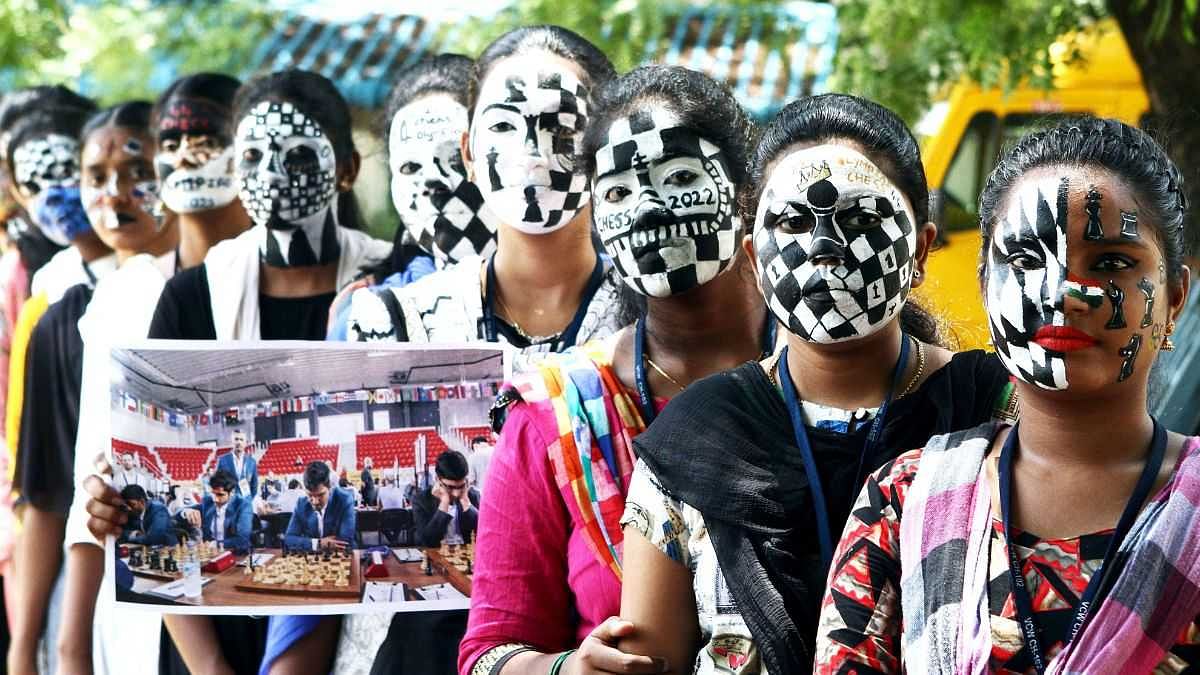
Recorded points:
1126,151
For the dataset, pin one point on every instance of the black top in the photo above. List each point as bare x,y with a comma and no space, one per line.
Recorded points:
50,411
726,447
431,524
184,312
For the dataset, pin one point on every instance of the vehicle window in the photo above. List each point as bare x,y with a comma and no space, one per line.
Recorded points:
972,161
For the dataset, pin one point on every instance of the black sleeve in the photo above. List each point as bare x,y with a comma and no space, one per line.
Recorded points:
184,310
468,521
992,379
429,522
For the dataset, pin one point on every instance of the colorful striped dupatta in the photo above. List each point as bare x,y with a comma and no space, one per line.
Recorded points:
593,456
944,582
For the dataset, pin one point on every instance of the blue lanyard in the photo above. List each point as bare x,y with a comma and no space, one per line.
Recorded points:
790,397
567,338
1023,604
645,401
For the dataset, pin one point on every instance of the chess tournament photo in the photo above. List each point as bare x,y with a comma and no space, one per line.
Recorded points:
299,478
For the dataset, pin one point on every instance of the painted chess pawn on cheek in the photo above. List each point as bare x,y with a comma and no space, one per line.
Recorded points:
441,209
523,145
287,184
1071,281
195,161
663,204
835,244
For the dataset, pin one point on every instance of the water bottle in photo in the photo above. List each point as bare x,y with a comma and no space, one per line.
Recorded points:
191,571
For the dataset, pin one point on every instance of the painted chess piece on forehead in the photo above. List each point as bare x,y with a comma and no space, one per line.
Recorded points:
522,144
287,178
663,203
836,244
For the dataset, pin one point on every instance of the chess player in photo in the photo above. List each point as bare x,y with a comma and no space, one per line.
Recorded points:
242,465
448,509
128,474
326,518
149,522
481,456
224,516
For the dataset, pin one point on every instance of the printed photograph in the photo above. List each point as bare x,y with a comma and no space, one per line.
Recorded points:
299,478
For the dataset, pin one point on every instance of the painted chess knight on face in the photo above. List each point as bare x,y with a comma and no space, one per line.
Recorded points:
835,242
287,170
442,210
195,160
663,204
529,118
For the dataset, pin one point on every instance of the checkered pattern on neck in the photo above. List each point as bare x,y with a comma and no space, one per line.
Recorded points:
1020,301
700,213
505,172
464,226
44,162
832,282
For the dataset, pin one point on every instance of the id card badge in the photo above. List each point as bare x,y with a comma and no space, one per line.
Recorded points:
244,486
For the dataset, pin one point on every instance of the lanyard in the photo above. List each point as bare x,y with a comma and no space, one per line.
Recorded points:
645,401
1023,604
792,399
567,337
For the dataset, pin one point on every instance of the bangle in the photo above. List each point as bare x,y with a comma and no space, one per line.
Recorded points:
558,663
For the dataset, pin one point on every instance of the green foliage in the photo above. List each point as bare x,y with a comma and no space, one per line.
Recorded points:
116,50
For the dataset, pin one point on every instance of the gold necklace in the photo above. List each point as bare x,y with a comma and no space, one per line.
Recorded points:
920,369
532,339
660,371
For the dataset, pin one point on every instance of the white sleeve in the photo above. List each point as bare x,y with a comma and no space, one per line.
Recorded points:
657,516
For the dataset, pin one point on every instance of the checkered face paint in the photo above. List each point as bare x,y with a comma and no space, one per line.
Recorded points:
835,243
287,172
44,162
1027,278
442,210
528,120
663,204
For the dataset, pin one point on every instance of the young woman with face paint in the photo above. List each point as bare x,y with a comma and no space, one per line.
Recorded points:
1083,235
666,151
442,214
119,196
194,159
196,162
296,165
529,107
743,478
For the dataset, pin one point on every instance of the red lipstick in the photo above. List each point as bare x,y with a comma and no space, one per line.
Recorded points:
1063,339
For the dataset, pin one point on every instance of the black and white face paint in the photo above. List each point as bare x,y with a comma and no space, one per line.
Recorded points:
287,176
835,243
442,210
46,162
528,120
1026,276
195,162
663,204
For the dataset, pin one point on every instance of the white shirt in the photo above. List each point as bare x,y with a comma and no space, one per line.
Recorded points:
288,500
219,523
125,478
391,497
320,528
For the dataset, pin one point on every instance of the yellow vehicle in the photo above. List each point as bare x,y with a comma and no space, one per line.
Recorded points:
963,135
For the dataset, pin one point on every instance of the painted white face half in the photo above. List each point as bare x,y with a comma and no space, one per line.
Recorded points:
287,172
441,209
663,204
528,120
1023,298
835,244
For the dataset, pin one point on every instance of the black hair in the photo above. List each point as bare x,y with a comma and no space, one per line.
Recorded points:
596,69
132,115
46,98
1128,152
224,480
293,484
318,98
132,493
701,103
478,439
62,121
316,474
452,464
885,140
448,74
216,88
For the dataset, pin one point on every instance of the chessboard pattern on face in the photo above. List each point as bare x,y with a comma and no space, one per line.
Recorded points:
290,182
630,143
870,283
464,226
1020,301
45,162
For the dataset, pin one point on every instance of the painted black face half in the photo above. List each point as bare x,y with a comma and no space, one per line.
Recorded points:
439,206
529,117
287,173
663,204
835,244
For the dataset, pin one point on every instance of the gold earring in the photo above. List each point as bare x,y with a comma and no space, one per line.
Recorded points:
1168,345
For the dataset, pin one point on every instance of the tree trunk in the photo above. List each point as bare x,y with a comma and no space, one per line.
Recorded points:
1169,72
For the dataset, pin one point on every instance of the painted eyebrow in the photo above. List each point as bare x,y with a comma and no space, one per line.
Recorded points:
1140,242
501,106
